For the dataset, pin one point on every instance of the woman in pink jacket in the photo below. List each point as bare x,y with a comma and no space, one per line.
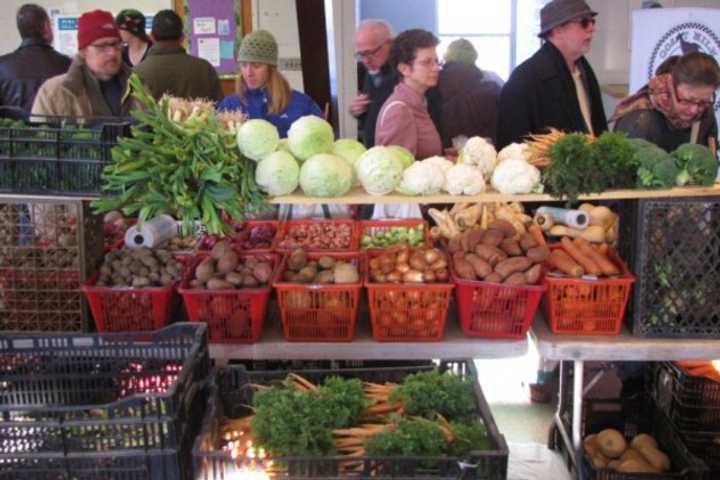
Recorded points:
404,119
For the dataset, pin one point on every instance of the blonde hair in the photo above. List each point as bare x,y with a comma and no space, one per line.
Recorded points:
278,90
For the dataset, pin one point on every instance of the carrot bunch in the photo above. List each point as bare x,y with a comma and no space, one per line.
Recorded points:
579,257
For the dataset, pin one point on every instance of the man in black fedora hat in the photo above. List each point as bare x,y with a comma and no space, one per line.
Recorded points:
556,87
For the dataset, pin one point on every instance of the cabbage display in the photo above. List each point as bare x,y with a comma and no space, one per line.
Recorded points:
349,150
278,173
257,138
310,135
325,175
404,154
379,170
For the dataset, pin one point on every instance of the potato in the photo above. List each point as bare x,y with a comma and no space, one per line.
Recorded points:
326,262
590,445
599,460
195,283
516,279
262,272
205,270
504,226
657,459
441,275
345,273
493,238
527,241
249,281
481,267
235,278
228,262
538,254
511,247
513,265
307,274
326,276
139,282
463,268
631,453
220,249
635,466
219,284
643,440
532,275
611,443
288,275
297,260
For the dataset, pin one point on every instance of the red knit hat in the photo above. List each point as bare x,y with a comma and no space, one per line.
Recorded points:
94,25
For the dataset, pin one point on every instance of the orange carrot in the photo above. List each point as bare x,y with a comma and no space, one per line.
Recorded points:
606,266
584,260
537,234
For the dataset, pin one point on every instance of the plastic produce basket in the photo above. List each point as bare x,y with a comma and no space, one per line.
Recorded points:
231,394
207,242
588,307
325,313
126,309
374,227
64,156
116,406
692,403
401,312
320,228
632,417
47,249
232,316
677,260
494,310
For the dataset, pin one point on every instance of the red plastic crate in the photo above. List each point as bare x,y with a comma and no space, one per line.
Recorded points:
126,309
204,245
494,310
402,312
323,313
588,307
285,227
232,316
372,226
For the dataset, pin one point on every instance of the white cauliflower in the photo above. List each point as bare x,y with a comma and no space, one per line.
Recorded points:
422,178
479,152
515,176
514,150
463,179
439,161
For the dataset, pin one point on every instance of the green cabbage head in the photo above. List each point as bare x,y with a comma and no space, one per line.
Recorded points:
379,170
325,175
278,173
310,135
257,138
350,150
405,155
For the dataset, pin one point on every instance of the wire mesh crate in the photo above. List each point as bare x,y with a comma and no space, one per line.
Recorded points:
61,156
118,406
48,247
231,393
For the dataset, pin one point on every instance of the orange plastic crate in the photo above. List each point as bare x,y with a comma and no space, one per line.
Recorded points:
407,312
588,307
369,227
286,227
319,313
232,316
204,245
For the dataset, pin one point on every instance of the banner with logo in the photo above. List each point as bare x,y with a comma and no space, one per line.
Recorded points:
659,33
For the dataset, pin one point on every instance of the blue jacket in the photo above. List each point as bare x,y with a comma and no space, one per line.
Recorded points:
256,107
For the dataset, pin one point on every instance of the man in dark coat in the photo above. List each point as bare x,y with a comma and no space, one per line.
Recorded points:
24,70
556,87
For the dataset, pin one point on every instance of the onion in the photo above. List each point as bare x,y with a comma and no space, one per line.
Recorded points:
441,275
402,256
394,277
413,276
438,264
432,255
429,276
402,267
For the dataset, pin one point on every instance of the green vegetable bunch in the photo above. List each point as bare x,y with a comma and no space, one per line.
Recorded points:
196,174
656,168
427,394
696,163
414,236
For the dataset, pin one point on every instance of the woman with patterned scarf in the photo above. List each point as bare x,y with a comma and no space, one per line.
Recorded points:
676,106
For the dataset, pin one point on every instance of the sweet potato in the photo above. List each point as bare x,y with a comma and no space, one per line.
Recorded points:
463,268
517,278
494,277
493,237
482,268
490,254
511,247
532,275
504,226
538,254
513,265
527,241
471,238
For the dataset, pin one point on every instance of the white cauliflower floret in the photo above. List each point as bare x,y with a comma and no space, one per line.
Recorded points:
422,178
439,161
479,152
515,176
463,179
514,150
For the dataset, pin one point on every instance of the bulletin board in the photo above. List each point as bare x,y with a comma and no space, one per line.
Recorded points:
213,30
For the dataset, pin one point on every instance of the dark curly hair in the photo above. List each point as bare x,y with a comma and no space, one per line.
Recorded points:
407,43
696,68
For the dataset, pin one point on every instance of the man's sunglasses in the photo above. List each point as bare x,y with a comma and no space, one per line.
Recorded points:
584,22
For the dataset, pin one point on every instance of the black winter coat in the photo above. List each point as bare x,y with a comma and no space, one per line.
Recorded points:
541,94
23,71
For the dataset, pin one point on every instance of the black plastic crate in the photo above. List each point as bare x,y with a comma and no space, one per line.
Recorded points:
67,397
231,393
676,258
692,403
707,447
61,156
631,417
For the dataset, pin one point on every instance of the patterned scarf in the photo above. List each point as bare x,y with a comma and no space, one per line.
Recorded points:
658,94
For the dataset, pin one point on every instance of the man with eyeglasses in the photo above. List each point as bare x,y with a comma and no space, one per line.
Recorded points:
556,87
96,83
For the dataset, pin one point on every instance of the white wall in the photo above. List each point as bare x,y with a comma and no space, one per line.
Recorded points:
10,39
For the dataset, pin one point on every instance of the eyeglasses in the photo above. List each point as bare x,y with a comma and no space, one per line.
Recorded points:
700,104
107,46
369,53
584,22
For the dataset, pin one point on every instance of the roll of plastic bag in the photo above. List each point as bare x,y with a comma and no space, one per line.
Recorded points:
151,233
572,218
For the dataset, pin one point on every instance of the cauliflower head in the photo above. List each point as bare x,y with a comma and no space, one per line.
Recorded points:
463,179
514,150
439,161
515,176
481,153
422,178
